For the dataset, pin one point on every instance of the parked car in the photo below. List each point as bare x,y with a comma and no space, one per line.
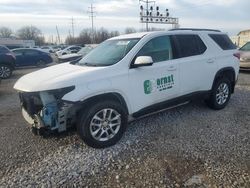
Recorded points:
128,77
245,56
72,57
31,57
69,50
56,48
47,49
7,62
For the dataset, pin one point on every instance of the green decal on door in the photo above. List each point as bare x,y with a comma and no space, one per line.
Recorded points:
159,84
147,87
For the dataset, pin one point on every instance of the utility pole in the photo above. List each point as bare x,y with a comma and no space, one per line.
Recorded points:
59,40
72,25
147,10
92,15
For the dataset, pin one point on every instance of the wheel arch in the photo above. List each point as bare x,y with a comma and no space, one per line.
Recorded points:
228,72
106,96
11,65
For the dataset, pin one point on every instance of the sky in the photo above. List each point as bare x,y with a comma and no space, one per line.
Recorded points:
230,16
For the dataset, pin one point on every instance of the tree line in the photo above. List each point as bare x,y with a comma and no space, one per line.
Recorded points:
24,33
86,36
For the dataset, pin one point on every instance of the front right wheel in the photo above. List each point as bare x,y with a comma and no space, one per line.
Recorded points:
220,94
102,124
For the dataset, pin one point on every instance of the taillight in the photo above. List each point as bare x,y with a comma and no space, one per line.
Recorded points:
12,55
237,55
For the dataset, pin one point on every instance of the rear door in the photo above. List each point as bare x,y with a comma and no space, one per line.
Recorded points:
197,63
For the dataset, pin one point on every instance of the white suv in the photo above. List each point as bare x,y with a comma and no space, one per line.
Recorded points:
127,77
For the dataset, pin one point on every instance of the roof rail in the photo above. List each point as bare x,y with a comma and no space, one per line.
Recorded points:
194,29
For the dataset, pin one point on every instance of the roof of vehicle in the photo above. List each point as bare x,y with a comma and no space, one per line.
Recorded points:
45,47
73,46
34,49
194,29
177,31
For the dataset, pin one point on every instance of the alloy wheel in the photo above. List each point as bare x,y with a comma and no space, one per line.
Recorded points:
222,93
5,71
105,124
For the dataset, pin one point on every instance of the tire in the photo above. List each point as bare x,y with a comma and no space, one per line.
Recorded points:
220,94
5,71
99,132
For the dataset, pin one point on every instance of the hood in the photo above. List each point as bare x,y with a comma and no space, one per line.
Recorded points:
54,77
69,56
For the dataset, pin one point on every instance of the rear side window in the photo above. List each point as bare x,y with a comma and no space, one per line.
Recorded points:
188,45
223,41
18,52
31,52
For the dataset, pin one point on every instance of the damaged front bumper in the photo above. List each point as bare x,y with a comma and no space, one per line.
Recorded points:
46,110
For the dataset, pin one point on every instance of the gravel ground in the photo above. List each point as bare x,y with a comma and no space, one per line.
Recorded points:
190,146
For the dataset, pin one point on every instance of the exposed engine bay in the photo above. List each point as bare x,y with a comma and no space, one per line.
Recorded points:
46,111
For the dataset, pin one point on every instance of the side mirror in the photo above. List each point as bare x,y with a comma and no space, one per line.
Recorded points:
143,61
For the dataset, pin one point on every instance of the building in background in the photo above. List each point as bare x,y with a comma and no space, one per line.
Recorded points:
16,43
242,38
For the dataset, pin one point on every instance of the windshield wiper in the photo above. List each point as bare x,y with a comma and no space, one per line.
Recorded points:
89,64
94,65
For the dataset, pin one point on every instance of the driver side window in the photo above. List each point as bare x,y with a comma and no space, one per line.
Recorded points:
158,48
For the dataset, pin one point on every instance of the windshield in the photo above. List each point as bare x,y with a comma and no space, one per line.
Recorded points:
85,50
109,52
246,47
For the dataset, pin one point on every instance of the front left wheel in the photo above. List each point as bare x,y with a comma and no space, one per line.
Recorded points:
5,71
102,124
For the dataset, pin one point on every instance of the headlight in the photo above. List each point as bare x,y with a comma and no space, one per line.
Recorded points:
59,93
244,59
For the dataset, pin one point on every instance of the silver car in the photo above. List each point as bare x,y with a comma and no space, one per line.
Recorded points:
245,56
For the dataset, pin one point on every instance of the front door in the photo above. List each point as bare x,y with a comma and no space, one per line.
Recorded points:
20,59
150,85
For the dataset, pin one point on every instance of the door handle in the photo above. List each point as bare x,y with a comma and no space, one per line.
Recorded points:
210,61
171,68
